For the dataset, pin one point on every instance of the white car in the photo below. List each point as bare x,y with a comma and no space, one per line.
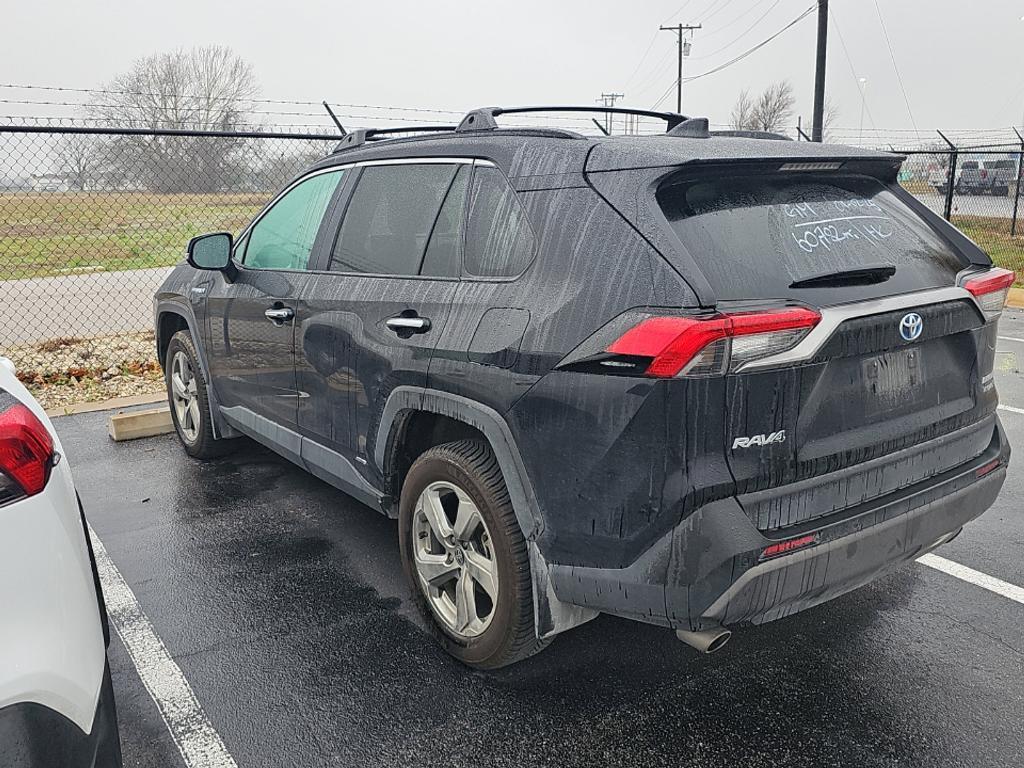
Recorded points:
56,700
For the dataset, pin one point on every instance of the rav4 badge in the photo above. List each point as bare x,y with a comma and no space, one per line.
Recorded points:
749,442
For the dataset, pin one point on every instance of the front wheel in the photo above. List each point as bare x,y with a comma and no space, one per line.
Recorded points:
465,556
188,400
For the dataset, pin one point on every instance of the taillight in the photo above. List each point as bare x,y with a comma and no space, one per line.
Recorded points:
26,452
668,346
991,289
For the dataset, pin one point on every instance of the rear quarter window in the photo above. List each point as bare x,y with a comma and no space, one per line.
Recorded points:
753,237
499,240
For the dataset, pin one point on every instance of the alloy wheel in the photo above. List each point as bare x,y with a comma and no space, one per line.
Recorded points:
454,559
184,396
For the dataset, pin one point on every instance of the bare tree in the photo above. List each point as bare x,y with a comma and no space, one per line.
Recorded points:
79,158
743,111
771,111
207,88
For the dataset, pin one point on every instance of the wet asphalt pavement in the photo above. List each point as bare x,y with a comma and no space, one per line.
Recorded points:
282,600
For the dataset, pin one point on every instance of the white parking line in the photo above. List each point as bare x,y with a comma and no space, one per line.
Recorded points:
200,745
983,580
1011,338
1011,409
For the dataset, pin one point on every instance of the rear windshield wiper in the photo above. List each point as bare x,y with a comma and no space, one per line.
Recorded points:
857,276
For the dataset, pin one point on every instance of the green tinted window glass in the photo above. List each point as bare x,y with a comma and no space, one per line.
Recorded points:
283,238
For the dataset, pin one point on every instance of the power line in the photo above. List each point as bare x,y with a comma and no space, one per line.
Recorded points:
892,56
288,113
643,58
663,97
656,74
741,35
679,10
112,92
711,14
749,51
849,60
729,24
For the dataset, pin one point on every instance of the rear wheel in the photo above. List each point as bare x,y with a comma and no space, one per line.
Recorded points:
188,399
465,556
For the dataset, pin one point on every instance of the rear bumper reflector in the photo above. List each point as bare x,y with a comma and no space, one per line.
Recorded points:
789,545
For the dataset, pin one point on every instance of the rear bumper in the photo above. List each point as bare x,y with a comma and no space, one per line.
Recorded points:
35,736
708,570
786,585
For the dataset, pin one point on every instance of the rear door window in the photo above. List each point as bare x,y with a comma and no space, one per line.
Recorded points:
390,217
499,241
754,237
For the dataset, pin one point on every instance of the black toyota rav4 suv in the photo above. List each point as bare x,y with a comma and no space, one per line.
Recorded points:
699,380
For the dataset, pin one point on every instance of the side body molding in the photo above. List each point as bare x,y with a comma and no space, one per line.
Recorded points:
320,461
551,615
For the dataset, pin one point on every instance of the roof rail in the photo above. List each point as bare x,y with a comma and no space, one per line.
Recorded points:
360,136
483,119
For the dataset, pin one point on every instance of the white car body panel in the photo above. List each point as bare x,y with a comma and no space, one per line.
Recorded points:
51,636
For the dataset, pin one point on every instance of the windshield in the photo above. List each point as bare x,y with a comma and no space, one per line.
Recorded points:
753,237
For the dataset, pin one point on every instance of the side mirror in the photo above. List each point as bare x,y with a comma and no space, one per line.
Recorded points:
211,251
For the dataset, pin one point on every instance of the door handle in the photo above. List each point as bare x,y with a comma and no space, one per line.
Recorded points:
408,325
278,315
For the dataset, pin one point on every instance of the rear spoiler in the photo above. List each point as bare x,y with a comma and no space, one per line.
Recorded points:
882,167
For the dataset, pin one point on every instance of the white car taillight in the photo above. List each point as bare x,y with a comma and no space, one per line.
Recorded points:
26,450
991,289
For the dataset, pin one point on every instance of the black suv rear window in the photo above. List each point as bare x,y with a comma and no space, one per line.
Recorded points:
754,236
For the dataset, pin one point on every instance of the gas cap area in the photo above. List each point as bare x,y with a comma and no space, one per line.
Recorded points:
498,336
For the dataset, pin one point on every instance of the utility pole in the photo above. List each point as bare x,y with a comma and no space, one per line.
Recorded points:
684,50
608,100
819,73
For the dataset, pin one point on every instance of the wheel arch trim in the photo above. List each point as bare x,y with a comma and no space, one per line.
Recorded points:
551,615
404,399
221,429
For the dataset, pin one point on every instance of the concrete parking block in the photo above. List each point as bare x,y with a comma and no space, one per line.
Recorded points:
129,425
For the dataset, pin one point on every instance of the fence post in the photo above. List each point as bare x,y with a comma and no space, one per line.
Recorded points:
950,178
1017,185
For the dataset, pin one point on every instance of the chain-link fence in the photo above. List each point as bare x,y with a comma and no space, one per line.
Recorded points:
92,219
980,190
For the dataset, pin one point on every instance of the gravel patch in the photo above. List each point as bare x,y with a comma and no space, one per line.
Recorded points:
64,371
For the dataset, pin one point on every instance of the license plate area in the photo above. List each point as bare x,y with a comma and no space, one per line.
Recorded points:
893,379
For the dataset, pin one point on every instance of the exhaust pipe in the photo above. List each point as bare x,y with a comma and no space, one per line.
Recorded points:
705,640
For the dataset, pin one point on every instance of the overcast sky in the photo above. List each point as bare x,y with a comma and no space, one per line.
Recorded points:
962,63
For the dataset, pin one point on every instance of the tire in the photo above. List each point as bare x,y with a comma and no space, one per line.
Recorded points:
194,425
498,632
